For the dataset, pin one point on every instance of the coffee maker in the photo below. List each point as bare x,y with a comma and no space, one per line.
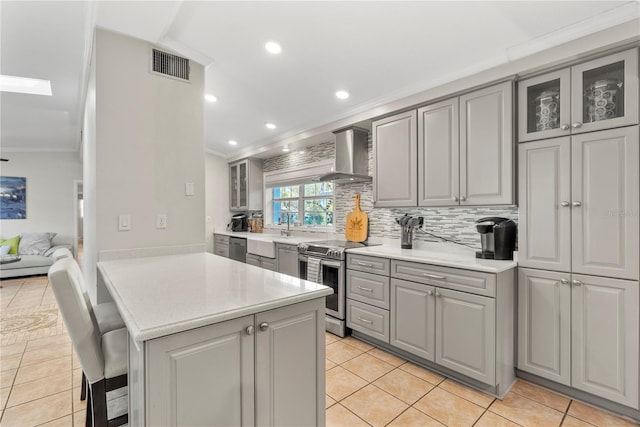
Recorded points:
498,238
239,222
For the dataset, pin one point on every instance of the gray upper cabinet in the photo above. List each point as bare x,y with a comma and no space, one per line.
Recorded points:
245,181
438,154
604,92
287,259
598,204
544,324
604,342
395,175
544,238
544,106
464,148
594,95
486,146
604,194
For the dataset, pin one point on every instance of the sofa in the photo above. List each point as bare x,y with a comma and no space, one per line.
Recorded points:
31,263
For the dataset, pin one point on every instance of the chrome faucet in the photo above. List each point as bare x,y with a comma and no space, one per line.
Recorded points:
287,232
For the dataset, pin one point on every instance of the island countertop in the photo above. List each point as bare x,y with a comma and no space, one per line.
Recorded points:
158,296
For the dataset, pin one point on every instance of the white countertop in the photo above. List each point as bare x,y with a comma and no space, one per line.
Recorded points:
437,253
158,296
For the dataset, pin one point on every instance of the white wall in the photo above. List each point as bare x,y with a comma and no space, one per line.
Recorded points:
217,196
50,191
148,144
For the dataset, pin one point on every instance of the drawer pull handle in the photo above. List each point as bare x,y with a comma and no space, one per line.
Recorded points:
362,288
433,276
365,264
362,319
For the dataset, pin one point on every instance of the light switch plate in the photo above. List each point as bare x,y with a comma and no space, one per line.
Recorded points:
124,222
189,189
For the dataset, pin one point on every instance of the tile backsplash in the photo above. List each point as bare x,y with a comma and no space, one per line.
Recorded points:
456,223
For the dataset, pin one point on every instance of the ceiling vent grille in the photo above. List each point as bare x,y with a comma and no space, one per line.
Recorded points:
170,65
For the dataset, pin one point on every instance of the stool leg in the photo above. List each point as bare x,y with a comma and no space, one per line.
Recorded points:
83,388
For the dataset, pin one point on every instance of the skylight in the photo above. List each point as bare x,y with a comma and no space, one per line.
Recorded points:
25,85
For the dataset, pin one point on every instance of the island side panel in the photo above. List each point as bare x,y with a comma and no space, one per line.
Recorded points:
136,382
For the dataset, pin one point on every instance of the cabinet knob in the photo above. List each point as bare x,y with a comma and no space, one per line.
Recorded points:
577,282
564,127
264,326
576,125
463,198
437,293
250,330
455,199
576,204
429,293
564,281
564,204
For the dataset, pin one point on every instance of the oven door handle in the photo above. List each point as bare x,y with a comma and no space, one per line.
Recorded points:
329,263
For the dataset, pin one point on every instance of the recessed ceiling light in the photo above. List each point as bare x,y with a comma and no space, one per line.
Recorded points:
270,125
211,98
342,94
285,149
273,47
232,142
25,85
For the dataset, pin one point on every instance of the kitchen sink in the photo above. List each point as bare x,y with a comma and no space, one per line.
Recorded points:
265,248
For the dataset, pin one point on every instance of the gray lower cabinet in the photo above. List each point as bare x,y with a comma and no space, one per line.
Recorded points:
466,334
263,262
544,324
265,369
413,318
458,319
581,331
221,245
453,329
287,259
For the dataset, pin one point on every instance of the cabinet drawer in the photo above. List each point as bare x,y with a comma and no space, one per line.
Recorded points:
369,264
474,282
222,251
221,239
369,288
368,319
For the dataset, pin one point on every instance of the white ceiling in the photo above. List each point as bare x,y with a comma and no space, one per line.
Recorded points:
379,51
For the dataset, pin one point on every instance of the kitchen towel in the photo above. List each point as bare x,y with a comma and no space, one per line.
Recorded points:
314,270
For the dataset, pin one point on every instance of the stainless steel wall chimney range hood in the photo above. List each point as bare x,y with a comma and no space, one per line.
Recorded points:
352,157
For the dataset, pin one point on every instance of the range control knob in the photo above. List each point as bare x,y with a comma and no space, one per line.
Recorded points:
302,247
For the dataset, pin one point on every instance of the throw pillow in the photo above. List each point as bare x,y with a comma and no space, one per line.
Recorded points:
13,243
4,249
35,243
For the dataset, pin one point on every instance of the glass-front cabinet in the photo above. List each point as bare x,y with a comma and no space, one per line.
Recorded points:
245,185
595,95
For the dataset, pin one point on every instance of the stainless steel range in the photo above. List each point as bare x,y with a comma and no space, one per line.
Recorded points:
324,262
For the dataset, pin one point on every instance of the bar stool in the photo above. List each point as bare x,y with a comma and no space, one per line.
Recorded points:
103,356
105,316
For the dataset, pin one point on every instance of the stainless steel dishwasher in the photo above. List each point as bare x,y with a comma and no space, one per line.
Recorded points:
238,249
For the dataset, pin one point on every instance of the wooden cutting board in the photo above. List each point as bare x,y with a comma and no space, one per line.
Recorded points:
357,224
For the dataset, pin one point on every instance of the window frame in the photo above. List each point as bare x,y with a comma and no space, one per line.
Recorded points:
270,200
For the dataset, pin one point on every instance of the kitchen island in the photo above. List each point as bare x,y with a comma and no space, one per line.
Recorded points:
217,342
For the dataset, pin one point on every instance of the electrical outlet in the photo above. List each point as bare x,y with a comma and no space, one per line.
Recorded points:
161,221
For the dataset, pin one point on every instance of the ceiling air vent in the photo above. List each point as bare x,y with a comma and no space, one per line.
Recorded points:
170,65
